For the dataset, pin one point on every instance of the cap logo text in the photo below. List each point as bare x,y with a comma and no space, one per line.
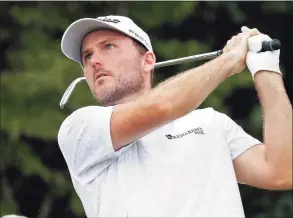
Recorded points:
107,19
138,36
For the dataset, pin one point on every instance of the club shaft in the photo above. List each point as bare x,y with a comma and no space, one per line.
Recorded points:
204,56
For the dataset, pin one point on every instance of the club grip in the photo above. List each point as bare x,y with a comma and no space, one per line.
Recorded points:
272,45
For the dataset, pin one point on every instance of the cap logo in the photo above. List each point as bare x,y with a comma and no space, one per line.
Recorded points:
138,36
107,19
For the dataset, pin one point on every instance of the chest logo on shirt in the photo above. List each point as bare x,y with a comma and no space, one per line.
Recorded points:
194,130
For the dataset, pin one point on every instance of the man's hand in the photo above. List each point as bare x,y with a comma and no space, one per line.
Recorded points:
257,61
237,47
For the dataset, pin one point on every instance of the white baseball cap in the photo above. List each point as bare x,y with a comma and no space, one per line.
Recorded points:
75,33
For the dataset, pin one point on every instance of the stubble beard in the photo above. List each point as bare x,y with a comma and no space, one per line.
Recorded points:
128,83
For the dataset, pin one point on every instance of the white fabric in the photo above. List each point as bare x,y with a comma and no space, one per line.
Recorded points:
256,60
182,169
75,33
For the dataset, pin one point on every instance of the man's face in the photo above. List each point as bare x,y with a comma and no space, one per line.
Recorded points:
112,65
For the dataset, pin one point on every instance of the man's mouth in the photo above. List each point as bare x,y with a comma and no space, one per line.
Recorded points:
100,75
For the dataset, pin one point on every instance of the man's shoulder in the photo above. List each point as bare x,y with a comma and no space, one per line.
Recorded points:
94,110
84,115
90,109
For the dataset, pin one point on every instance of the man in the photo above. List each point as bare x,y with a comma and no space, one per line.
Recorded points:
150,152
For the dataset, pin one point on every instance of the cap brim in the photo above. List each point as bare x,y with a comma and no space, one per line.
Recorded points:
75,33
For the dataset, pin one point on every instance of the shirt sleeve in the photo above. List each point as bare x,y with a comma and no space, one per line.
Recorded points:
85,141
237,139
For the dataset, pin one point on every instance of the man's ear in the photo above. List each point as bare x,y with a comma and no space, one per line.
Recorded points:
149,61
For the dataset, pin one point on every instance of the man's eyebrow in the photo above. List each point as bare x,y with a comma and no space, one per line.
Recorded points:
101,43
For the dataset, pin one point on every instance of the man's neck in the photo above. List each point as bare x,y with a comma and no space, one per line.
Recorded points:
130,98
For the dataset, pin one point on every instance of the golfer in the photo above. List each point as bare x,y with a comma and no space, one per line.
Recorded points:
150,152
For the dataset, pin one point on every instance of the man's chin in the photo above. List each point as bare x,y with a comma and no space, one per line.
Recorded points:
102,94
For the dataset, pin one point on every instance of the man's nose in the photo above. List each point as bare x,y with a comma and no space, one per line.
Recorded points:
96,60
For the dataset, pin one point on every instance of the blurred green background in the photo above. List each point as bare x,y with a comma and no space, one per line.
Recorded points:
34,74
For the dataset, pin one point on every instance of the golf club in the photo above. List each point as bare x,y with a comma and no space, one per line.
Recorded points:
272,45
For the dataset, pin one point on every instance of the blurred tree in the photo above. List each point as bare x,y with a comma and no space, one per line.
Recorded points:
34,74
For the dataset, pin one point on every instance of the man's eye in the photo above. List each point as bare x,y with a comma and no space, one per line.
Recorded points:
109,46
87,56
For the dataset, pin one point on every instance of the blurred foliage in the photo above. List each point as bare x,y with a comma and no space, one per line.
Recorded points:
34,74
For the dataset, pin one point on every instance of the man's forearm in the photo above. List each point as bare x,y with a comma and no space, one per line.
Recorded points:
188,90
277,112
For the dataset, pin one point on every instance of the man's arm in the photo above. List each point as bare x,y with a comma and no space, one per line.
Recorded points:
269,165
277,112
177,96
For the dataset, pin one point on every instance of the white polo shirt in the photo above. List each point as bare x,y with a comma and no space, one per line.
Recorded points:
182,169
